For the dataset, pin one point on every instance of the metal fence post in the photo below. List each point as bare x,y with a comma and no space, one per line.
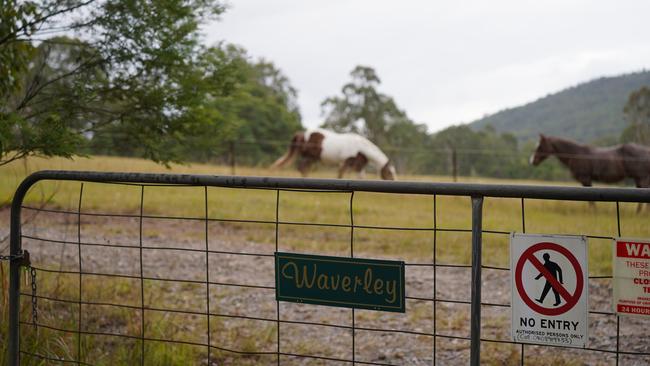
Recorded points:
14,295
13,345
475,321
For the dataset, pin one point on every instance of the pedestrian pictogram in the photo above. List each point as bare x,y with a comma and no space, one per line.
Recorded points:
551,272
549,292
551,282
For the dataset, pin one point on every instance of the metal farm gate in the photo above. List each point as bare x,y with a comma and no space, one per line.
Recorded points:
452,329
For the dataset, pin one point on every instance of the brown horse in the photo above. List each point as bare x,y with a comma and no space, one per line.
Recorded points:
587,163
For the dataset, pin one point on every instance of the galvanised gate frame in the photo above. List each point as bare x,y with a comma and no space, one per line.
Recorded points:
477,192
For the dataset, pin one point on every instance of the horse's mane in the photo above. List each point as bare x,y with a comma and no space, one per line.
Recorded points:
636,149
567,146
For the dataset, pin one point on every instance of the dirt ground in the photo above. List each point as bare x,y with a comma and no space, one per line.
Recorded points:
236,260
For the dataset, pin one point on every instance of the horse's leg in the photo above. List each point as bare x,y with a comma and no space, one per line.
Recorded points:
360,163
353,163
342,170
586,182
304,165
642,183
344,166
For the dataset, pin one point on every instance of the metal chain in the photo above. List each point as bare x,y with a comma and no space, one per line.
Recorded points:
24,259
23,256
32,271
10,257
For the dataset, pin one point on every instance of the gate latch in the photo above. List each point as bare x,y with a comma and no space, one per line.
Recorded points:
22,258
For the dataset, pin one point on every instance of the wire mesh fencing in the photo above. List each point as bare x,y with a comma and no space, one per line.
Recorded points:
499,160
178,269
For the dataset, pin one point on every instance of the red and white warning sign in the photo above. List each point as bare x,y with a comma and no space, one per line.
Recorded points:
549,289
631,277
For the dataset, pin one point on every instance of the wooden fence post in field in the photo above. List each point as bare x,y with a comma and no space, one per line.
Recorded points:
231,149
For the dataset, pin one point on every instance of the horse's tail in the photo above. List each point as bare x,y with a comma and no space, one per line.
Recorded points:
296,142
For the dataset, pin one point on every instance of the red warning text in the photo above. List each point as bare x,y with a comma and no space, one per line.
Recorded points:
629,249
639,310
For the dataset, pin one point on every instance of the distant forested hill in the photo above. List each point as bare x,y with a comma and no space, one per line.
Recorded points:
588,112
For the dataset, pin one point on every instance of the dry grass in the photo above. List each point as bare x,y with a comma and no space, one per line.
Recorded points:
370,210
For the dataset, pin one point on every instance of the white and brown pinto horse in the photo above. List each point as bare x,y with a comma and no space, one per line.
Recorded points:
347,150
587,163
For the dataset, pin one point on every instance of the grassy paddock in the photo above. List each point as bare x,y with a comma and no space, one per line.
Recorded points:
370,209
62,343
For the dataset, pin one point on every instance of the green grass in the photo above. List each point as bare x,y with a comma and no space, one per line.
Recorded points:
369,209
101,349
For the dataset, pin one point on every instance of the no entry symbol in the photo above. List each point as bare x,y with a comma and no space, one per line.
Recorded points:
560,289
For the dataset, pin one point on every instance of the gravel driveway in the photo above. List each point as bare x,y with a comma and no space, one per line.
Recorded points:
256,297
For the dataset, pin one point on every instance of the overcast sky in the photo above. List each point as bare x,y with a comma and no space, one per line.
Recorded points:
444,63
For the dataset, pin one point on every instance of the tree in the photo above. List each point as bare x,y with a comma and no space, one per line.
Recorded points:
460,138
267,113
129,67
259,116
362,109
485,153
408,146
637,110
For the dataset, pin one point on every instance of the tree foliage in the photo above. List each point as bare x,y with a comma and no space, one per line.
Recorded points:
261,112
637,111
15,19
363,109
588,112
463,149
486,153
74,70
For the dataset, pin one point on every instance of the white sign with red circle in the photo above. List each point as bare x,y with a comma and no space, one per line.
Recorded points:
550,285
631,277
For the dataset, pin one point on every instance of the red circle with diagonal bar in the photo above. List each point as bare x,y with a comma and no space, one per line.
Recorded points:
571,299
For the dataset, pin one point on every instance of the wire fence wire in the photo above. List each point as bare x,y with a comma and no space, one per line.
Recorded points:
197,304
448,159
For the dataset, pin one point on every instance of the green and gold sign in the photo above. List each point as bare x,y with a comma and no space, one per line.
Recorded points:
340,281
